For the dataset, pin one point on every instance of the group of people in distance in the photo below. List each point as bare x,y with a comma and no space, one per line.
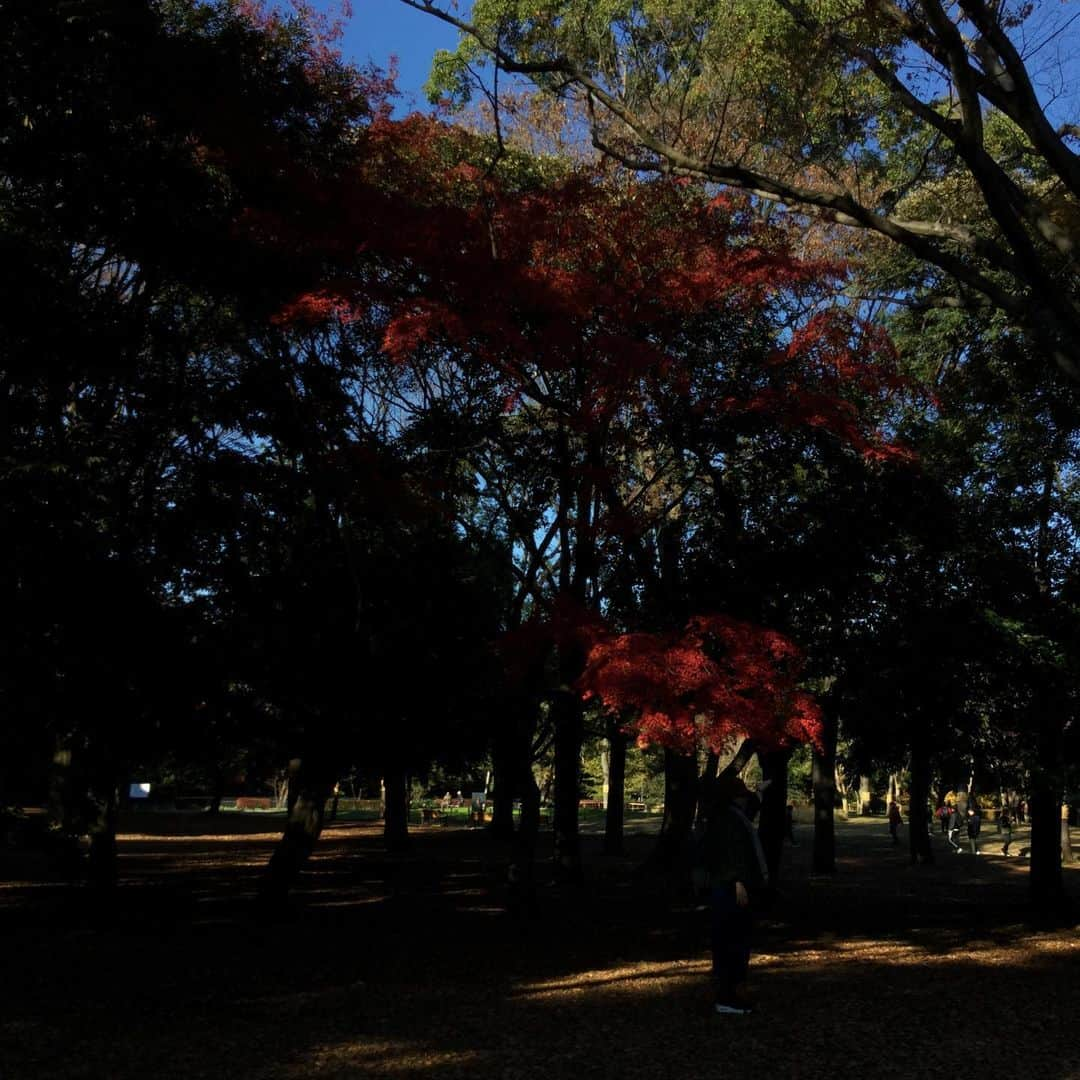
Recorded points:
951,819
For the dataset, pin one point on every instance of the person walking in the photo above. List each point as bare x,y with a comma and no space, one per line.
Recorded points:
954,826
974,820
735,864
1005,824
895,821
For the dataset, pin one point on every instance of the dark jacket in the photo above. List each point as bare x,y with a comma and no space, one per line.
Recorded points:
731,850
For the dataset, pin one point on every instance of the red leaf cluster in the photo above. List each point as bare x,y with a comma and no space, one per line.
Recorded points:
717,679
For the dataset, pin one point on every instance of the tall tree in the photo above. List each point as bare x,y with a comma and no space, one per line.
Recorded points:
134,219
840,111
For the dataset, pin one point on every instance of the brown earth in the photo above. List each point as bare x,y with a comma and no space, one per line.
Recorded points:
408,966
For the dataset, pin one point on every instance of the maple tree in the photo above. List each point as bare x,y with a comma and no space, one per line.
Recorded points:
575,294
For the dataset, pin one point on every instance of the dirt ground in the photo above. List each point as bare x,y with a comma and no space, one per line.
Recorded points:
408,966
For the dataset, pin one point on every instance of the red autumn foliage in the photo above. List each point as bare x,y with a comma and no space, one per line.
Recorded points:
718,679
537,279
572,293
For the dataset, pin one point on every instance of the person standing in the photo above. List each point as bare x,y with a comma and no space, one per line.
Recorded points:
974,820
895,821
1005,825
735,864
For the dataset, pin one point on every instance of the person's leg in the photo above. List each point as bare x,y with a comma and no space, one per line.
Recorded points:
723,914
730,944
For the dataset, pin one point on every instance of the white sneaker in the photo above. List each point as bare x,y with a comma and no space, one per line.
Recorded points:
732,1010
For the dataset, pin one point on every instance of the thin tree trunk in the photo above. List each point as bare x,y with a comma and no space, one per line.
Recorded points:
396,819
569,734
773,824
521,873
680,802
506,789
103,862
706,783
616,788
1045,885
919,806
217,795
309,788
823,858
1066,838
67,811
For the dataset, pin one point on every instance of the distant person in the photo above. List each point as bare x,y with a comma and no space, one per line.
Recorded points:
1021,812
1005,825
942,814
895,821
446,800
789,824
974,821
735,864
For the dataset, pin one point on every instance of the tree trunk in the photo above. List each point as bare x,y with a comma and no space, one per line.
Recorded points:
773,824
521,873
103,863
309,788
680,802
506,790
918,807
396,819
1045,886
68,805
217,795
864,795
616,788
823,860
707,783
62,811
1066,838
569,734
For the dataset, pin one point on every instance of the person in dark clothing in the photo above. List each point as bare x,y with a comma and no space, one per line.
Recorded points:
736,868
1005,825
895,821
974,821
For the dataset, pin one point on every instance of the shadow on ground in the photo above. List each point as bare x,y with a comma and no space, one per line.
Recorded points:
408,966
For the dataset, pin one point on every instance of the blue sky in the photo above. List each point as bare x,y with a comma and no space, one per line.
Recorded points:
381,28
